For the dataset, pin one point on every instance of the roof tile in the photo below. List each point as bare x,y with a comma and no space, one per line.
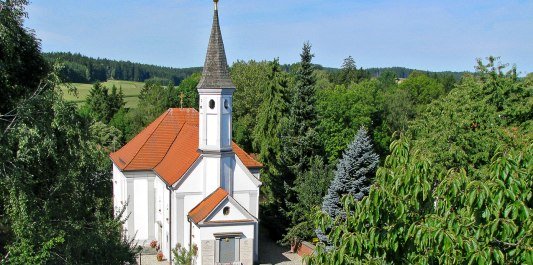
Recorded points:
207,205
168,146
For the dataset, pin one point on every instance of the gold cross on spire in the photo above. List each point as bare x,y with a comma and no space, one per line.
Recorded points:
181,99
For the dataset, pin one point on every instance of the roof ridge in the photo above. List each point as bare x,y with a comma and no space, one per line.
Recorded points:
207,197
147,139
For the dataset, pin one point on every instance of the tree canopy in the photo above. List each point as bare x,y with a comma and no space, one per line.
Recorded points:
456,187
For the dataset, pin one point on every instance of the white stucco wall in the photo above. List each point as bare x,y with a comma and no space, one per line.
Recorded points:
120,196
147,199
234,213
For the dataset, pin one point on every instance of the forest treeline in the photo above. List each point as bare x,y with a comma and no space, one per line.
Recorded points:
430,169
78,68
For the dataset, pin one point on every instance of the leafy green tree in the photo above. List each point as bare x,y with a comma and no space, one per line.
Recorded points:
54,180
342,111
387,80
21,70
123,121
106,136
22,66
190,93
250,79
398,110
422,88
456,188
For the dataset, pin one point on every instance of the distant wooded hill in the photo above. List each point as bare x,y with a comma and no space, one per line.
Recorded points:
401,72
82,69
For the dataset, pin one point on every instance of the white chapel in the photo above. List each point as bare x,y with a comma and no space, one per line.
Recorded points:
183,181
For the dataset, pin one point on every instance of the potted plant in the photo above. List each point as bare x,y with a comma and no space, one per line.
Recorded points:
294,244
153,244
159,256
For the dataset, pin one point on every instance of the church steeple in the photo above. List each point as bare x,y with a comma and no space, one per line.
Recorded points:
215,73
216,98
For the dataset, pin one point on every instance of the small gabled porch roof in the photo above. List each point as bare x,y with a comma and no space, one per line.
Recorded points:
203,213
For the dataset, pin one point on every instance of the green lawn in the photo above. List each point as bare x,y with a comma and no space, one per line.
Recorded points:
130,89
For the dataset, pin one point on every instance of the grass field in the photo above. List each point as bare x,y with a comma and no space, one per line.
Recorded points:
130,89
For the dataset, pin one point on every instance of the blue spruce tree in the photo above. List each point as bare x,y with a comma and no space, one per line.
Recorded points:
353,174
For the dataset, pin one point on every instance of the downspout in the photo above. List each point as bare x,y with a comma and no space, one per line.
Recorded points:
169,188
190,233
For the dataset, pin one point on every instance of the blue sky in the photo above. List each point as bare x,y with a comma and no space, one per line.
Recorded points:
426,35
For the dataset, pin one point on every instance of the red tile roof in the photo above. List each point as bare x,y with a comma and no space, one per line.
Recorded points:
168,146
246,159
207,205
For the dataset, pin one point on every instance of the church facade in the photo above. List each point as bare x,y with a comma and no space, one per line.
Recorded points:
183,181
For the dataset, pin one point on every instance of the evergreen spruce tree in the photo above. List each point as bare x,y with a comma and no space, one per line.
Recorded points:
266,133
349,71
98,103
353,175
115,101
300,136
267,142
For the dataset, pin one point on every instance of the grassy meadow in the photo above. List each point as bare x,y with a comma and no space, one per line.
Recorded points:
130,89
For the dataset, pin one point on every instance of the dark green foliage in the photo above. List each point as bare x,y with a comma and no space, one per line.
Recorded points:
402,72
266,134
82,69
266,140
250,79
190,93
58,183
101,105
300,138
343,111
464,128
54,180
310,188
348,73
456,188
387,80
421,88
21,65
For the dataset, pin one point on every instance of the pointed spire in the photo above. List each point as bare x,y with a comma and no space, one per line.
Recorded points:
216,72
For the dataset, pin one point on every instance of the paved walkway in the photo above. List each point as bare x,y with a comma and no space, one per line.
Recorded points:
272,253
151,259
269,253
